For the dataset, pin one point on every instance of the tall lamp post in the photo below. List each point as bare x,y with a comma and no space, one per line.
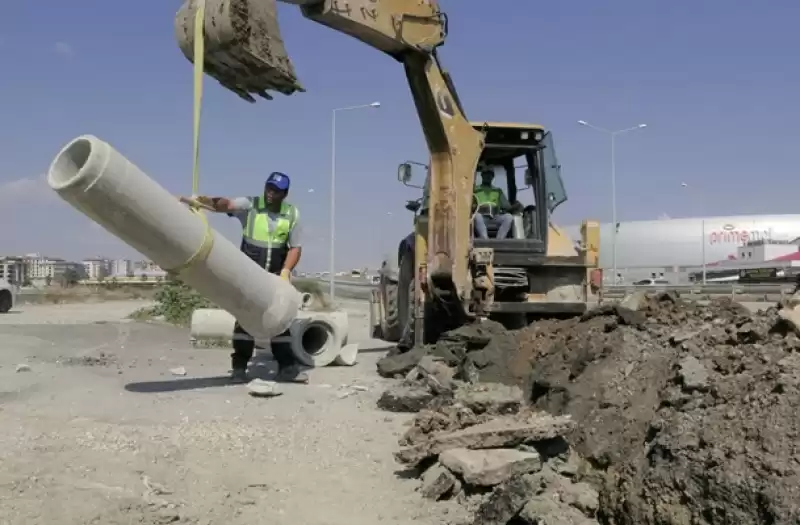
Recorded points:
333,190
702,236
613,135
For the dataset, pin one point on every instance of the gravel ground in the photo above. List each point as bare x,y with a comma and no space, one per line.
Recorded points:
97,428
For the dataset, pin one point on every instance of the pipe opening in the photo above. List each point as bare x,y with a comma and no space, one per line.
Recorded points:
316,338
69,163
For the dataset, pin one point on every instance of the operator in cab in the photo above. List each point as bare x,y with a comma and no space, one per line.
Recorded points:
271,236
486,195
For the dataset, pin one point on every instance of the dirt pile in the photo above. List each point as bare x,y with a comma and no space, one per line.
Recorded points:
680,413
690,412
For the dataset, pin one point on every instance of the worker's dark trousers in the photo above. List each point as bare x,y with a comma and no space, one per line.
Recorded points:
243,343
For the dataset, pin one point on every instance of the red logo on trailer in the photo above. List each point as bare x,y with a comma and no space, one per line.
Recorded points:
730,234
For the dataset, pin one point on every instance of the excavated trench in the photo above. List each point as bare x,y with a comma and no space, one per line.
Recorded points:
679,413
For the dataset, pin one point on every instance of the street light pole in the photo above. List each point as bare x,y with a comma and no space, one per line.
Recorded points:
332,263
614,227
702,238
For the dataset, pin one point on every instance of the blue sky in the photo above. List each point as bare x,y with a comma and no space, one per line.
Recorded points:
715,81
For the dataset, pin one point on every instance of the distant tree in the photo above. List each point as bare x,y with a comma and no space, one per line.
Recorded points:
48,280
70,277
143,277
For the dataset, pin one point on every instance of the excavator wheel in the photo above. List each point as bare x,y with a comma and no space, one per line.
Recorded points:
405,291
391,328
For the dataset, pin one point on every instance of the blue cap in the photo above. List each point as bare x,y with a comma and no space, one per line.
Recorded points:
278,180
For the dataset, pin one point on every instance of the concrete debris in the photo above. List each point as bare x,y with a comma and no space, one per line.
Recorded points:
489,467
178,371
263,388
648,412
500,432
505,501
436,482
491,398
405,398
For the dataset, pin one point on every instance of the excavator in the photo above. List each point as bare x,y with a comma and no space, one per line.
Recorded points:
444,277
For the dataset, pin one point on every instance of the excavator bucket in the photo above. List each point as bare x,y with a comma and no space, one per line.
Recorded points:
243,47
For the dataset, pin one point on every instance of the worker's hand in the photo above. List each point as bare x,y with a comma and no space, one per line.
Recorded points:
286,274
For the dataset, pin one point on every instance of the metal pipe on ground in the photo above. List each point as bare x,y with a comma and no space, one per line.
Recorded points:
98,181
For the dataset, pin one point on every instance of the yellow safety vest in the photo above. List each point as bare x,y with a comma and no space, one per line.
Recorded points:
487,196
257,231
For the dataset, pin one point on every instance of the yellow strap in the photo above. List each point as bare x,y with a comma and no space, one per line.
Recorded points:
198,58
199,55
202,252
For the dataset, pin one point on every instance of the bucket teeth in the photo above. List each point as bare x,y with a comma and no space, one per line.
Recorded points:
243,47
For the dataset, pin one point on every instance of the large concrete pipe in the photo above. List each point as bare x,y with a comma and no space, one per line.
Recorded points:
99,182
317,338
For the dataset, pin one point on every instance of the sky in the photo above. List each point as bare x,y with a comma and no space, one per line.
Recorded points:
716,82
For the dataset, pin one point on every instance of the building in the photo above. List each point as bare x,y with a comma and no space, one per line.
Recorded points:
39,267
645,248
122,268
12,269
97,268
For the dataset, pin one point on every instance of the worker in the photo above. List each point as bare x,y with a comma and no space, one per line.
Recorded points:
270,237
487,194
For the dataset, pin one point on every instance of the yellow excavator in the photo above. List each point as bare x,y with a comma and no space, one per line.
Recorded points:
443,276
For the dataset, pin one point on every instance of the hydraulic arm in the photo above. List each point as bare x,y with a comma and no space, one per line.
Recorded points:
245,53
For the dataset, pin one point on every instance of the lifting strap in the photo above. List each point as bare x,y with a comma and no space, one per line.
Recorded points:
198,59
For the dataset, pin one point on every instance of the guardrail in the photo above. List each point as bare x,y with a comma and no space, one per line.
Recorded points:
734,290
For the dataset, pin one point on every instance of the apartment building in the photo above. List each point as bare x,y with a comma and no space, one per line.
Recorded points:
12,269
121,267
97,268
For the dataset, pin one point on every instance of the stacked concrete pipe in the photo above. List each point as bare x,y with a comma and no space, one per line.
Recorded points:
317,338
99,182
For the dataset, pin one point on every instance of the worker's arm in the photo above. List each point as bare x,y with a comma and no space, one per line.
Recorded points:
505,206
222,204
295,247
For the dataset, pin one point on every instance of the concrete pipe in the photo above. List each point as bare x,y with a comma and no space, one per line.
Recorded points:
318,338
99,182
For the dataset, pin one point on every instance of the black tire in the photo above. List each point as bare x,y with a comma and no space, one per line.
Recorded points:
5,301
391,329
405,290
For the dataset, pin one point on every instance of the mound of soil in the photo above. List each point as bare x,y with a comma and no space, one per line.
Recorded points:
688,413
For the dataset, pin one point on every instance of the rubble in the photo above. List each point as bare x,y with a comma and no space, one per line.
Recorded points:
652,411
490,467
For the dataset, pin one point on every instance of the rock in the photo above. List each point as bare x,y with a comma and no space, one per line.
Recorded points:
634,301
505,502
23,368
436,482
693,374
179,371
680,336
489,467
791,316
405,398
544,509
581,496
400,364
438,372
261,388
492,398
501,432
